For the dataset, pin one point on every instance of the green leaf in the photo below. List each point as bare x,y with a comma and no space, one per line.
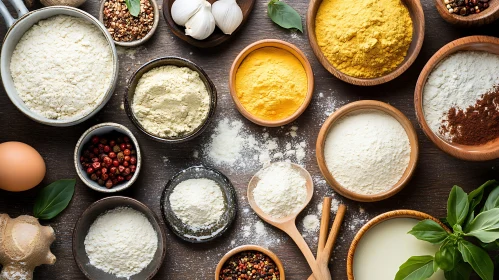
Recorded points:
54,198
284,16
478,259
416,268
462,271
492,201
485,226
430,231
475,197
447,256
133,7
492,246
457,206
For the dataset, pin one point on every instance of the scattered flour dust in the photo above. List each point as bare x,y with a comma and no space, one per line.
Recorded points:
311,223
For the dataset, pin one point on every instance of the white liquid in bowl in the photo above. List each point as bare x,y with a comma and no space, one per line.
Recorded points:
386,246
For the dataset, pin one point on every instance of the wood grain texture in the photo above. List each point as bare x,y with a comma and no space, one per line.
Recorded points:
418,25
487,151
428,190
489,15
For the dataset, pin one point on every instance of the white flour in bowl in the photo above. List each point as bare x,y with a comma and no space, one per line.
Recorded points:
62,67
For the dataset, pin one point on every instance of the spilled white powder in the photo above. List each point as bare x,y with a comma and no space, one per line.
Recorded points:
311,223
367,151
281,190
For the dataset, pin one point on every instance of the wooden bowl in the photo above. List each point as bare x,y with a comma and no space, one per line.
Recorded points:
276,44
418,23
379,219
484,152
362,105
487,16
243,248
215,39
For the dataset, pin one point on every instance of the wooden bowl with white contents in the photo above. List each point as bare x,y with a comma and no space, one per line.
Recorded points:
489,15
367,105
488,151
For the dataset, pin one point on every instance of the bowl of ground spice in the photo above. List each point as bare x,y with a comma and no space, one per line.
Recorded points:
271,82
128,30
251,260
367,42
468,13
456,98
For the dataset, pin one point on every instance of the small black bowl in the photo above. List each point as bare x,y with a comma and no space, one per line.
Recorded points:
181,229
164,61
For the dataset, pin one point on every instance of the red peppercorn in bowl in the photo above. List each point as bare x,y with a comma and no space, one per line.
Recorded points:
107,157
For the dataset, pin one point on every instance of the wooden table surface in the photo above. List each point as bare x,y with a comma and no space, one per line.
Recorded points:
435,175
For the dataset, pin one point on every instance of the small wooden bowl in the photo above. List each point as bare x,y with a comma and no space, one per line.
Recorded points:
140,41
379,219
484,152
243,248
215,39
488,16
362,105
418,23
276,44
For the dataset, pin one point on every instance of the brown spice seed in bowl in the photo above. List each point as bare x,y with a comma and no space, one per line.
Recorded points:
122,25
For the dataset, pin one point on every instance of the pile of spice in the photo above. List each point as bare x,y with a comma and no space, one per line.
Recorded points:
171,101
121,241
109,159
124,27
250,265
271,83
466,7
367,151
459,98
365,38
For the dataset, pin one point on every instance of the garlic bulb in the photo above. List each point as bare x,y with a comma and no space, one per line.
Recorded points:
228,15
201,24
183,10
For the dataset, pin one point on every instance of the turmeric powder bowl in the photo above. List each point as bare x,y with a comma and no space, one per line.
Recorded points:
271,82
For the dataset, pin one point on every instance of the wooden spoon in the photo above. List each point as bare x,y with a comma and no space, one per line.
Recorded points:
287,224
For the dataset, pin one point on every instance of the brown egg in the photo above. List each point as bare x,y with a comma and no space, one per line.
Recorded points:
21,167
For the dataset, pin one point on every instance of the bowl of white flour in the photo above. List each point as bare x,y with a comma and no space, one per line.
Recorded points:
59,65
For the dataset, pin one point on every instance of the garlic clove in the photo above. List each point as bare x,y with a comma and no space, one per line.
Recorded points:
201,24
228,15
183,10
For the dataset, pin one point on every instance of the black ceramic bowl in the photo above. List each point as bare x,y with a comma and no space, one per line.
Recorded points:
164,61
181,229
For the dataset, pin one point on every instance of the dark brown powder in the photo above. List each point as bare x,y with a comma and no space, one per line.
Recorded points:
476,125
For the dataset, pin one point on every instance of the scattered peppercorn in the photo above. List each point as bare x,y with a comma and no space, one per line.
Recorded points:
466,7
106,164
250,265
124,27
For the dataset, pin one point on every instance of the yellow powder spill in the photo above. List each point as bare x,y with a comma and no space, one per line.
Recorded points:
364,38
271,83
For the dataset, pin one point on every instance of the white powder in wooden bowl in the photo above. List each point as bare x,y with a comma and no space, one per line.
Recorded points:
62,67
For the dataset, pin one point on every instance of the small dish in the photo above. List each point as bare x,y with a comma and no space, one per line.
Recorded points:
484,152
377,220
215,39
100,129
140,41
276,44
361,105
86,220
181,229
418,23
180,62
243,248
489,15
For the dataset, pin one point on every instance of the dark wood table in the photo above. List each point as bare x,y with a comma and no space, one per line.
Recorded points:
435,175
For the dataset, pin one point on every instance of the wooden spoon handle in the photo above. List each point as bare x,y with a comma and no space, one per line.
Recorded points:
326,211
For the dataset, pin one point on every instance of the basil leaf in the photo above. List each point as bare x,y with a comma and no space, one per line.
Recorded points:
447,256
492,201
284,16
462,271
457,206
430,231
133,7
416,268
485,226
54,198
475,197
470,219
478,259
492,246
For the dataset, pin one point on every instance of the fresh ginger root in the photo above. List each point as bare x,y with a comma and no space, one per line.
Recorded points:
24,245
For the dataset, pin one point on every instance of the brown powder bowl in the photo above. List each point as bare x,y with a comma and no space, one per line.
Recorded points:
243,248
418,24
484,152
362,105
